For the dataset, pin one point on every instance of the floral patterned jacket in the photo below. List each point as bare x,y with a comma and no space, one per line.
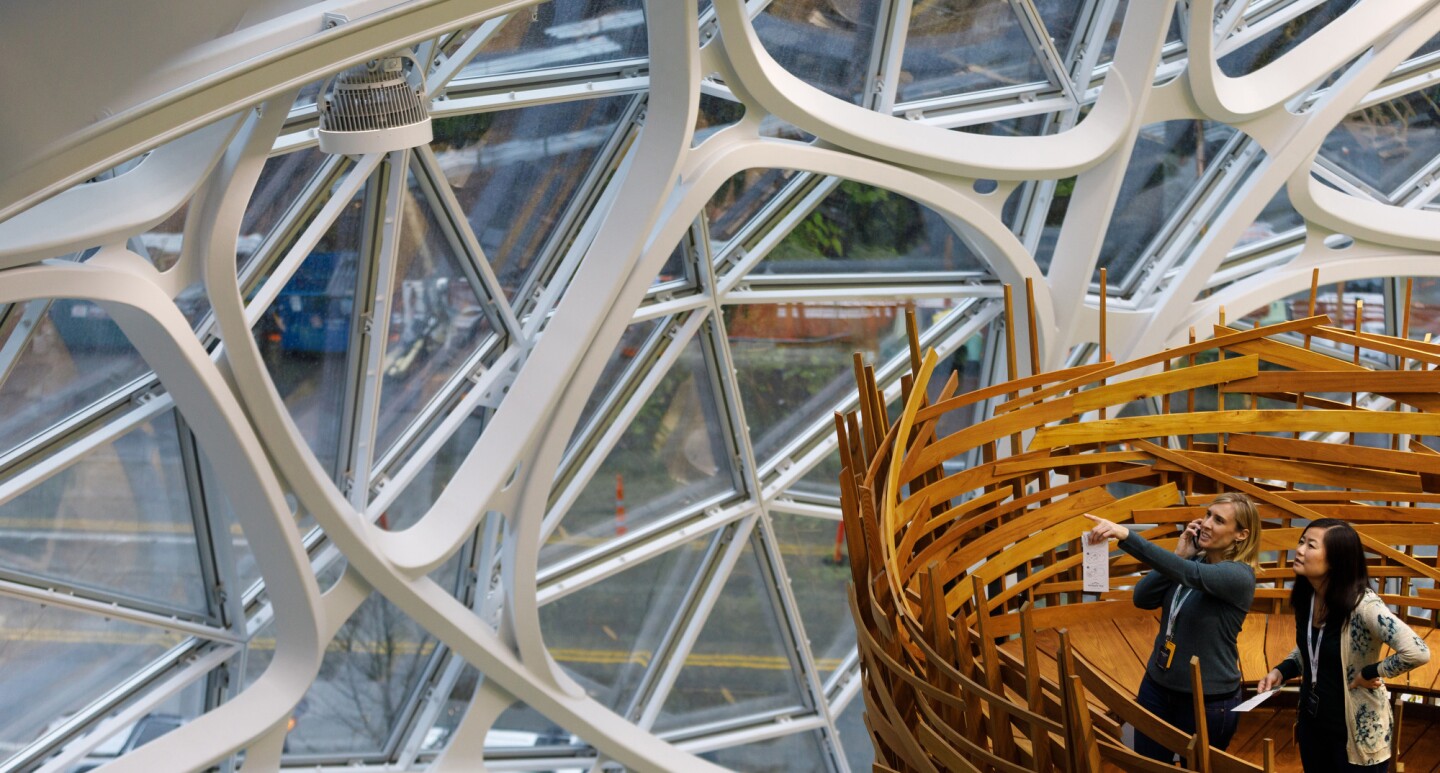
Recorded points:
1367,711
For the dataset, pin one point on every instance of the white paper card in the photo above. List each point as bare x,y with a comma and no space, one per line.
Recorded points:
1256,701
1096,567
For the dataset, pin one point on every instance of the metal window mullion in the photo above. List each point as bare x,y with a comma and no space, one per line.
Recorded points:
44,591
798,647
1409,194
287,228
691,621
185,663
25,471
1258,24
1231,14
887,54
373,307
81,423
476,266
437,694
1034,27
603,417
1089,41
578,223
733,250
216,588
18,326
456,60
775,233
591,462
300,249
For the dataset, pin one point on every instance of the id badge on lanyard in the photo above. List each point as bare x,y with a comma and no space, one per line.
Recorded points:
1165,657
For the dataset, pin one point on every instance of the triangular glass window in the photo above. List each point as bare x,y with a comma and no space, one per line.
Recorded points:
741,663
606,635
69,354
619,376
827,45
281,182
1386,144
561,33
860,229
305,335
962,46
809,547
363,693
673,455
793,360
516,172
437,317
118,521
54,662
739,199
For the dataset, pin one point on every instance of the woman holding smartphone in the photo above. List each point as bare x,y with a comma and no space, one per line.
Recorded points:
1344,715
1203,589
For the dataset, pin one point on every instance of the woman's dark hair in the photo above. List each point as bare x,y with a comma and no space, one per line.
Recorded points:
1349,576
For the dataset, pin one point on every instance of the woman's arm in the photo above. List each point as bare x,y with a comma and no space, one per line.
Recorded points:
1288,669
1410,650
1228,580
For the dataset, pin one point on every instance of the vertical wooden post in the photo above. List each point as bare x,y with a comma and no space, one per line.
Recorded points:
1201,759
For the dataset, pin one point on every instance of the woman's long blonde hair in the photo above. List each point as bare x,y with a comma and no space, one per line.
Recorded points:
1247,517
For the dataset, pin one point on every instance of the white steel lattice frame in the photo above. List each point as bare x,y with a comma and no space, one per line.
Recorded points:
209,126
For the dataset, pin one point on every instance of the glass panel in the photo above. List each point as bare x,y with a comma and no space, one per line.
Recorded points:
674,268
793,360
184,706
1336,300
305,335
1025,126
1061,18
1054,219
672,455
365,681
1424,306
437,319
76,356
54,662
1277,218
280,183
715,114
606,634
867,230
631,342
515,173
1275,43
739,664
739,199
118,521
795,753
161,244
809,547
1112,35
225,525
854,738
518,727
822,480
961,46
1385,144
412,503
1167,161
826,44
562,33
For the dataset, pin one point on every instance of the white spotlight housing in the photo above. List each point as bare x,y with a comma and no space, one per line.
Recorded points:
375,107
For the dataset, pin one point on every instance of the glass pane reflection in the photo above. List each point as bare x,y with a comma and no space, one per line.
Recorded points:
606,634
1278,217
739,664
820,583
515,173
1275,43
117,521
1385,144
739,199
862,229
562,33
1166,163
825,44
280,184
672,455
75,356
794,753
960,46
54,662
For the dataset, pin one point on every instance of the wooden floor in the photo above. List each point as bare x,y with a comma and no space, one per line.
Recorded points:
1121,646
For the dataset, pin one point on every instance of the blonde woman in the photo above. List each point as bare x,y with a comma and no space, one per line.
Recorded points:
1344,715
1203,589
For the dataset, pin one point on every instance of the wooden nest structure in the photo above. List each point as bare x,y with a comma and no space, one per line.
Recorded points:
979,650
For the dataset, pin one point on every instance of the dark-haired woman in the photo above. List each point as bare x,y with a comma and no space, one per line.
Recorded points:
1203,591
1344,715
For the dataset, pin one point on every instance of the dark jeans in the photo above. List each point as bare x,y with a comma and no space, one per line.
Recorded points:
1178,709
1325,753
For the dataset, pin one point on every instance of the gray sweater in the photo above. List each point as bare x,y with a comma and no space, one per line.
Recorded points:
1209,622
